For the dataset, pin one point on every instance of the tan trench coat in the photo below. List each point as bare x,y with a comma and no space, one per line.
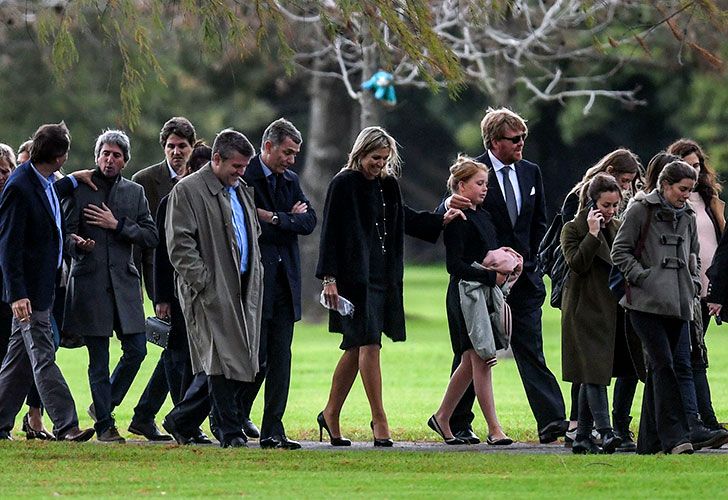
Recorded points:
223,321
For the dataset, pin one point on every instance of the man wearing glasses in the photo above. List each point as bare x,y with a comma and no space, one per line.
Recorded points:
516,204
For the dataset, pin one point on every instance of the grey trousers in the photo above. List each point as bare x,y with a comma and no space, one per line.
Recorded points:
31,356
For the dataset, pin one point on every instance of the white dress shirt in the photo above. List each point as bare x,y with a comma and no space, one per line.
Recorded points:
498,167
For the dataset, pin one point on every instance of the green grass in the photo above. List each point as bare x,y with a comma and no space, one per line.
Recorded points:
105,471
415,374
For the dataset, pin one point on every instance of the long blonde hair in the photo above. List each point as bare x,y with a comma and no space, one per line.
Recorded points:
370,139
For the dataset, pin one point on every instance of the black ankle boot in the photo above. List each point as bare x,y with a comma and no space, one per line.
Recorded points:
701,436
621,429
610,441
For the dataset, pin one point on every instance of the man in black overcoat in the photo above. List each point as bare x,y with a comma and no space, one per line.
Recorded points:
284,213
517,207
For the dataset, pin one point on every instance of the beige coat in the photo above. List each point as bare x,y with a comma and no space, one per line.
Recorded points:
223,321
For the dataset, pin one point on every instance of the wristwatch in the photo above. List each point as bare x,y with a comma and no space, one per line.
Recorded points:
274,219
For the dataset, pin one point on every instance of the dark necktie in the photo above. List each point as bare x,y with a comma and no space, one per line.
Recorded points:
277,187
510,195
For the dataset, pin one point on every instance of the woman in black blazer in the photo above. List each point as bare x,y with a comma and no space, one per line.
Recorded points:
468,241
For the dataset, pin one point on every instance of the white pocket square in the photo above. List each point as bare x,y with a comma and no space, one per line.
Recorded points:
533,191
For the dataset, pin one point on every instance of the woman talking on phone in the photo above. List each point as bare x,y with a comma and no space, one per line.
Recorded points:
591,323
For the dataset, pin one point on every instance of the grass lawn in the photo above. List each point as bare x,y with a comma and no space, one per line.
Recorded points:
415,375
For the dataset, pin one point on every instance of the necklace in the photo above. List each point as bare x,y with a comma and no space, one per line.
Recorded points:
382,231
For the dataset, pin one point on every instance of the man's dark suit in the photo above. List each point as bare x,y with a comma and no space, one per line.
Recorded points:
281,289
29,251
526,296
157,183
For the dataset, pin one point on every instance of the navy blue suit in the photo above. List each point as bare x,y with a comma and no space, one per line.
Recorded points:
526,296
26,221
29,253
281,288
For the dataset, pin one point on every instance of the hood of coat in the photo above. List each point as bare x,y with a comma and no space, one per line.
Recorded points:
653,198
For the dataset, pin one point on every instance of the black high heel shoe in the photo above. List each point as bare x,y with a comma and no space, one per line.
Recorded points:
31,433
381,443
435,426
335,441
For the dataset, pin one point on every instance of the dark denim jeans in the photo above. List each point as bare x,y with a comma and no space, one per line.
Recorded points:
108,392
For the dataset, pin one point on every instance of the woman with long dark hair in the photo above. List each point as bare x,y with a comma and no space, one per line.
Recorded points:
593,339
710,214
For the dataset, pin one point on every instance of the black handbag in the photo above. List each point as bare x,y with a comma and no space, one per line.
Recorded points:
550,260
157,331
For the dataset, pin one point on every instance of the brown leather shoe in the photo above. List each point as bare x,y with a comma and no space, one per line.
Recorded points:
78,435
110,435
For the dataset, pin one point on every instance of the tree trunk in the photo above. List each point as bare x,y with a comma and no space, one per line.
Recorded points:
329,138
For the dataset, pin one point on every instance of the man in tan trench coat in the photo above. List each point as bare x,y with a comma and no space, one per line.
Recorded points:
212,238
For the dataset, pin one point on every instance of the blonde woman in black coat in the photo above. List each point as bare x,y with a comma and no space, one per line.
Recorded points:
361,258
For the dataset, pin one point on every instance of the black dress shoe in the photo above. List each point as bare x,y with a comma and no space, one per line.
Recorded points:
627,445
586,446
250,429
551,432
281,442
5,436
468,436
236,442
149,431
172,429
201,438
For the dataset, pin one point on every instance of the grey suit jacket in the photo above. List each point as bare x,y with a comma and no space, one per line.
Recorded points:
106,277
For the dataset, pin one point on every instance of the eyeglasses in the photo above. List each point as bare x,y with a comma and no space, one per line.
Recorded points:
516,138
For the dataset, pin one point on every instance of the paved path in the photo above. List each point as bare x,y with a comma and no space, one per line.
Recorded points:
425,446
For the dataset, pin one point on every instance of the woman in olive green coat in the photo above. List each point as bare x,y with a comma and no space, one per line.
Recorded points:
592,336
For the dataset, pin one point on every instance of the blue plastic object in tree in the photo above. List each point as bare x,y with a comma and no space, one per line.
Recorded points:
382,84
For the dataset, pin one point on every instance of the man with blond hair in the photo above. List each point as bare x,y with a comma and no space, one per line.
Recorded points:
517,207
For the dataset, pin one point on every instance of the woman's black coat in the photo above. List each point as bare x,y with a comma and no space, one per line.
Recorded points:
347,234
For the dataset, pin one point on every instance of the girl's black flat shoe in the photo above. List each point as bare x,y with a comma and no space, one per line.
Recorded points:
435,426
